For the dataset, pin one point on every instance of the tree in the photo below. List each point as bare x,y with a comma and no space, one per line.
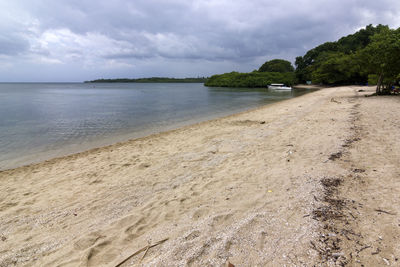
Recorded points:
309,66
338,68
277,65
360,39
382,57
250,80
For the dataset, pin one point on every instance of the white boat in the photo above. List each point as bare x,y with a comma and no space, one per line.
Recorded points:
279,86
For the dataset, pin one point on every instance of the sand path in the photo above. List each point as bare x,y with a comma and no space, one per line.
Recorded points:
245,188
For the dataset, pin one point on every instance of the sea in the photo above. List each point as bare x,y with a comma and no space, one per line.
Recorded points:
39,121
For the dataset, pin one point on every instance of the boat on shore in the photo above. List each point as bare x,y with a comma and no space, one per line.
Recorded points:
279,86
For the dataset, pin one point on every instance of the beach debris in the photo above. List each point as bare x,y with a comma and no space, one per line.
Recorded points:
262,122
386,261
328,183
269,191
335,156
348,142
334,100
361,249
338,254
334,216
144,254
290,152
384,211
245,123
145,249
376,251
313,246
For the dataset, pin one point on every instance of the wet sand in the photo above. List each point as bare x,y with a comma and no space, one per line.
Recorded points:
310,180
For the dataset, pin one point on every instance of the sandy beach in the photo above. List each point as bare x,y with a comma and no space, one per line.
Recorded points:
313,180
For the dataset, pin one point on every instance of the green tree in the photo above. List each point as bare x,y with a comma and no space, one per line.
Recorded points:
250,80
304,65
358,40
338,68
303,71
309,66
276,65
382,57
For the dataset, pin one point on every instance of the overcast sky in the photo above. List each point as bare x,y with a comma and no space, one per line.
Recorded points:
77,40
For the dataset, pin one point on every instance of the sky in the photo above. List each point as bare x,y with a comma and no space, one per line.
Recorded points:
78,40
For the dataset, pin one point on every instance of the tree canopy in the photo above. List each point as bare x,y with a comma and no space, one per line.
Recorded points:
250,80
337,62
382,58
371,54
273,71
276,65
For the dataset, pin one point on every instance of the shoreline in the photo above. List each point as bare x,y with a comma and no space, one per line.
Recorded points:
310,86
68,152
250,188
150,134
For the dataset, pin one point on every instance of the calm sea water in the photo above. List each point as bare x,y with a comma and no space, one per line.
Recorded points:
43,120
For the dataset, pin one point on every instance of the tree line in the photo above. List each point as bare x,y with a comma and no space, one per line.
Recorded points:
369,56
273,71
150,80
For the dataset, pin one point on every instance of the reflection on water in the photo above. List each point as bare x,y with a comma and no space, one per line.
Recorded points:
39,121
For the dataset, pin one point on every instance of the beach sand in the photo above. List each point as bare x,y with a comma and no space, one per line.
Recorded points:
310,180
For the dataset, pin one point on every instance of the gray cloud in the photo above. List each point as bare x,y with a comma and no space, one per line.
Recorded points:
12,45
82,39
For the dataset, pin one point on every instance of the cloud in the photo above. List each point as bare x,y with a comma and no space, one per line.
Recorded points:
135,38
12,44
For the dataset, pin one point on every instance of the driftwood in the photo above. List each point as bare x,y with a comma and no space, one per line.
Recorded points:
384,211
145,249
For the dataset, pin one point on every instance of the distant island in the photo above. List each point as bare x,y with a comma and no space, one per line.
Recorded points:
151,80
